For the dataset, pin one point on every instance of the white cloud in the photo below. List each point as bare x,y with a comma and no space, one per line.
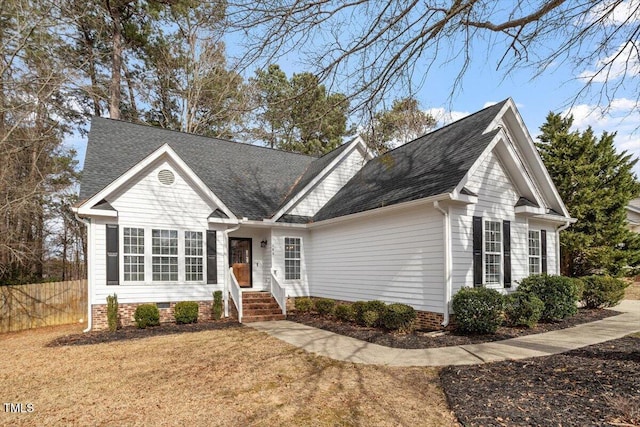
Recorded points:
622,116
444,117
614,12
624,61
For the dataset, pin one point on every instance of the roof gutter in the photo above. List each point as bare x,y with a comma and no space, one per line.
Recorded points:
87,223
447,261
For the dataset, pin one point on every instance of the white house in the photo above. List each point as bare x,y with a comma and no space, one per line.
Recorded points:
173,217
633,215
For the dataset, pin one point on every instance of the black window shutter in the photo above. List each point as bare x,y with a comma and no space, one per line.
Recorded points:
543,249
506,249
212,260
113,273
477,251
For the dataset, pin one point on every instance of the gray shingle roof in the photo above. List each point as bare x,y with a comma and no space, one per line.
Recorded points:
523,201
255,181
251,180
313,170
428,166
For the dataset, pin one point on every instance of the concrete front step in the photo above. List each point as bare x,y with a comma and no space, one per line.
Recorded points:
262,318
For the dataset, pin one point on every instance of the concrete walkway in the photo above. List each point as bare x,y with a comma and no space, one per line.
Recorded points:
348,349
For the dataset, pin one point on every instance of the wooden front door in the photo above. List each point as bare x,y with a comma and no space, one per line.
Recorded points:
240,259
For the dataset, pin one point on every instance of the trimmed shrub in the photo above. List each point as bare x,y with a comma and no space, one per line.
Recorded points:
602,291
113,317
558,293
325,306
361,307
147,315
304,305
522,309
216,308
478,310
398,316
370,318
186,312
344,312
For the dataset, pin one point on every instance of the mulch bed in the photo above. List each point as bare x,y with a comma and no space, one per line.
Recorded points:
422,339
591,386
131,332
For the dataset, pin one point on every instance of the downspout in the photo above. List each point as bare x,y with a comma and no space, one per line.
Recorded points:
447,262
558,230
225,254
87,223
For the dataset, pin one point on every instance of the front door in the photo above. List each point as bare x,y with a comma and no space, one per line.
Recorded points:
240,260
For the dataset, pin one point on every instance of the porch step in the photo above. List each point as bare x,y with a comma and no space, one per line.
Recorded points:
262,318
259,307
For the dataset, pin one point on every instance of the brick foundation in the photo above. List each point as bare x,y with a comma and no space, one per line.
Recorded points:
126,311
429,320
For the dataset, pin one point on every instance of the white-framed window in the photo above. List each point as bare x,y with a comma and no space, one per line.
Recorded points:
193,256
133,250
534,252
164,248
292,258
492,252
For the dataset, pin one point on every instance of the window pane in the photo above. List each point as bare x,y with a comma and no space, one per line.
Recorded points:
165,243
193,255
493,251
133,244
534,251
292,258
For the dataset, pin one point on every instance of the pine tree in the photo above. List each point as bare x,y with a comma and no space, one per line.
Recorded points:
596,184
298,114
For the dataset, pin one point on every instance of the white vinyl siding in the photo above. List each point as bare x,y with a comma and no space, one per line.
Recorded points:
311,203
534,252
492,252
394,256
193,256
133,249
292,258
146,203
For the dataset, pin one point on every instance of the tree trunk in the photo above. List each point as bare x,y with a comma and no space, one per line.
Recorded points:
88,48
116,66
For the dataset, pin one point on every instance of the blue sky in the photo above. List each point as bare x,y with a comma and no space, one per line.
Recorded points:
553,90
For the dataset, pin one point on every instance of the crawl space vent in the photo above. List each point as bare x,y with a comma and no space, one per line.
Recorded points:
166,177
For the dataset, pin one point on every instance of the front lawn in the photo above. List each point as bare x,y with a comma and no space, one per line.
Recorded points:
632,291
234,376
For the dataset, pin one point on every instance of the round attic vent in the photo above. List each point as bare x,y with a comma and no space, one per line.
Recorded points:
166,177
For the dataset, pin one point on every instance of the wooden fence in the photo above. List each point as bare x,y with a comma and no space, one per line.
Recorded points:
42,304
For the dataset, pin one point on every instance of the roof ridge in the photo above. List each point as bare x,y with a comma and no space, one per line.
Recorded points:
448,125
229,141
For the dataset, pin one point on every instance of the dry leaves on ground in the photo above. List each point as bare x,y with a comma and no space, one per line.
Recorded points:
234,376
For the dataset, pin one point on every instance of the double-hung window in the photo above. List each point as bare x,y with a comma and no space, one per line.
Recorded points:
492,251
193,256
133,250
164,248
534,252
292,258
